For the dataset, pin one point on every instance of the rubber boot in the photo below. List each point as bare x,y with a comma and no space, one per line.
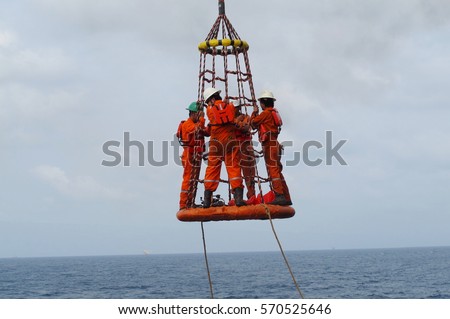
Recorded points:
251,190
286,193
280,200
207,199
239,197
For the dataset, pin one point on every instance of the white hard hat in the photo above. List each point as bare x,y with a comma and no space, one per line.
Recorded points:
267,95
210,92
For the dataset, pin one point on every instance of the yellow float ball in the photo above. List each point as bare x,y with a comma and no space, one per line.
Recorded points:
226,42
203,46
213,43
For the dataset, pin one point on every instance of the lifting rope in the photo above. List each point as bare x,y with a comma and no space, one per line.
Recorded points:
279,245
282,253
207,264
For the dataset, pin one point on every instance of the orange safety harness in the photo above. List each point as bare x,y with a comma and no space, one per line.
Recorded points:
277,118
180,135
190,140
223,113
264,132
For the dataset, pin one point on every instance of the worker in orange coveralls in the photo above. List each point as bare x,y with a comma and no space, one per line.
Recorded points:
269,124
191,134
223,147
247,160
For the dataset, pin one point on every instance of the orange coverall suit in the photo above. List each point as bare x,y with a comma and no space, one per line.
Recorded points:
268,134
247,154
188,130
223,147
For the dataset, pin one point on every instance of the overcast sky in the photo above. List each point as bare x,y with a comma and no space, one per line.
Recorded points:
75,74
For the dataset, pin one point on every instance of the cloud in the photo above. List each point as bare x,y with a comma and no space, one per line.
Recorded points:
33,80
25,64
6,39
28,114
158,22
38,87
370,78
345,53
28,102
80,187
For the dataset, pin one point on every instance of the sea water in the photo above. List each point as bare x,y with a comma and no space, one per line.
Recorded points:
375,273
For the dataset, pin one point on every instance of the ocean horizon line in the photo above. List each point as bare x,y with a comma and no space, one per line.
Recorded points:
149,253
